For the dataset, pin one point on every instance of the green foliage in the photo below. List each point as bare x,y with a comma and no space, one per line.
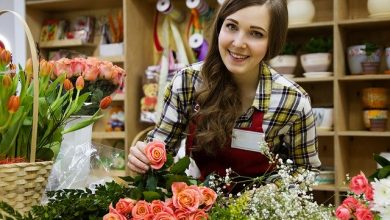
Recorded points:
381,173
370,48
289,48
318,45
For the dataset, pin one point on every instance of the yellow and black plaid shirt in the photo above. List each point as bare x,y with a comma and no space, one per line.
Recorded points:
288,116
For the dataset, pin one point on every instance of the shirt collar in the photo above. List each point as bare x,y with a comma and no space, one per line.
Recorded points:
264,88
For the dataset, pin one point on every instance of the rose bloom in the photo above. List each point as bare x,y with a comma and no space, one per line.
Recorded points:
169,203
199,215
342,213
208,197
351,202
113,215
359,183
124,206
141,209
182,214
363,213
185,197
156,154
164,216
369,193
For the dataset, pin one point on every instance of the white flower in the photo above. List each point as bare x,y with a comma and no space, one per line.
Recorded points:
382,192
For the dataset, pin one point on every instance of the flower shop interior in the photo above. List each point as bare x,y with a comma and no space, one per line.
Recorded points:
337,50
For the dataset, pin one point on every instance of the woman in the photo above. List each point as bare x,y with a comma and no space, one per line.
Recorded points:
233,101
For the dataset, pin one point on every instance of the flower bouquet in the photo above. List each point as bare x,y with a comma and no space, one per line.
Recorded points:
59,98
368,200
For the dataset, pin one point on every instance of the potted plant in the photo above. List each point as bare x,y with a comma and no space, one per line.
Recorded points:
286,62
317,55
364,58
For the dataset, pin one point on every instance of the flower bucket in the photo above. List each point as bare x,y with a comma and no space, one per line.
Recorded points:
22,184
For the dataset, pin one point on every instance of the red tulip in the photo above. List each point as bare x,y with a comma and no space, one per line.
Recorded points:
79,83
13,104
105,102
68,85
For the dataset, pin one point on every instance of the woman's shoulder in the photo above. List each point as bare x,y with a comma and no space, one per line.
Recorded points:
188,76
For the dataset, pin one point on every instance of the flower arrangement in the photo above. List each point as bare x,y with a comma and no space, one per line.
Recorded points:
164,192
59,98
102,78
287,199
365,199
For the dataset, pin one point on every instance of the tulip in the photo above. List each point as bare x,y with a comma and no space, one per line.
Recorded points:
29,69
12,69
7,81
105,102
68,85
5,57
46,68
79,83
13,104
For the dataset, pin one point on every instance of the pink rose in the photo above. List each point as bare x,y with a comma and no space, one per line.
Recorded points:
158,206
363,213
359,183
199,215
208,197
182,214
185,197
169,203
124,206
141,209
91,73
164,216
113,216
351,202
342,213
77,66
369,193
155,152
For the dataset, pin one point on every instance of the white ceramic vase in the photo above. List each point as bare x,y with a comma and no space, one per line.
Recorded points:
300,11
378,8
284,64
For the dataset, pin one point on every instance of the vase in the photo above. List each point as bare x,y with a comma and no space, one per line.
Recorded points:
284,64
378,8
72,165
300,11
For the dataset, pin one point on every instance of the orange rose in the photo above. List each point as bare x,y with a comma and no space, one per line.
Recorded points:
141,209
113,215
182,214
164,216
208,197
155,152
199,215
124,206
186,197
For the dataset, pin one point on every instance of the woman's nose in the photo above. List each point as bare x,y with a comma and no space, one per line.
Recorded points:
239,41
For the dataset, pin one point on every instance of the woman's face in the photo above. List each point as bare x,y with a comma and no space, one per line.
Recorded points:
243,39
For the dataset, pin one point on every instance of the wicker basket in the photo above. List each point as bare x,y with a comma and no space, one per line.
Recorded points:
22,184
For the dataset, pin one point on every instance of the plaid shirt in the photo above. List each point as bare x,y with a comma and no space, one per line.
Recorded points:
288,118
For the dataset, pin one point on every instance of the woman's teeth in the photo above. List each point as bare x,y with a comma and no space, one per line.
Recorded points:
237,56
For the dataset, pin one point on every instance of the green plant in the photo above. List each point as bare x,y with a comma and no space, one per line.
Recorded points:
384,171
289,48
318,45
370,48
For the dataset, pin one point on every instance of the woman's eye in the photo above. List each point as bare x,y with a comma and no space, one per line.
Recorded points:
231,27
257,34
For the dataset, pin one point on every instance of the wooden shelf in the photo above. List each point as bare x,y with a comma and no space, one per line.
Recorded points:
108,135
324,187
365,77
365,133
314,25
71,5
325,133
114,59
119,97
313,79
364,23
65,43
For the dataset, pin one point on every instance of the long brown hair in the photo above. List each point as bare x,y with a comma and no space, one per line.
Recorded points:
218,97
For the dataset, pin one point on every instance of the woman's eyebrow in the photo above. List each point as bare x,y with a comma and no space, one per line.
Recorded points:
252,26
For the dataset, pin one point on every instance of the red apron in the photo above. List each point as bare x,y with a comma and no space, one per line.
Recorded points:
245,163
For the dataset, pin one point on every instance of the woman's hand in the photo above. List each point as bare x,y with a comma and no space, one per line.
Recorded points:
137,160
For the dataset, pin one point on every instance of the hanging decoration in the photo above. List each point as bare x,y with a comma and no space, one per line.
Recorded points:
166,7
221,1
200,5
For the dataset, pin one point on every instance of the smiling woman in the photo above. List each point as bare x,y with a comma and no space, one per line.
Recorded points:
227,105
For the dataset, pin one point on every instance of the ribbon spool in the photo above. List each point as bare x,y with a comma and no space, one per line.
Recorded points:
221,1
200,5
166,7
199,45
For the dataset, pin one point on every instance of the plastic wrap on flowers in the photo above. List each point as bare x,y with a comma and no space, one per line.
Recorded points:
85,165
102,78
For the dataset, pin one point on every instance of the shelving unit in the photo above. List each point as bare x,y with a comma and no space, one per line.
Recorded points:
348,148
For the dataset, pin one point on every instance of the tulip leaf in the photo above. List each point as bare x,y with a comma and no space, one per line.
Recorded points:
82,124
45,154
180,166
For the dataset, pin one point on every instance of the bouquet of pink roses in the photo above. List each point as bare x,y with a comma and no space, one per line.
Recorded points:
102,78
